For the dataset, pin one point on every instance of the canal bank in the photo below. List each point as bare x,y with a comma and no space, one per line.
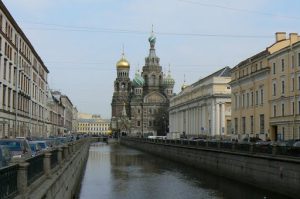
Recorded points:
281,175
116,171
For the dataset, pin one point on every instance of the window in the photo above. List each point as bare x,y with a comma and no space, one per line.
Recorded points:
256,98
235,125
252,98
298,59
274,68
299,82
262,123
282,109
243,100
292,83
150,123
138,123
282,87
260,65
4,96
236,101
293,61
244,124
274,110
298,107
251,123
282,65
274,89
247,99
261,96
293,108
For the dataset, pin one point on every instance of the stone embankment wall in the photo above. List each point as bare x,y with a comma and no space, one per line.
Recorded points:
61,180
275,173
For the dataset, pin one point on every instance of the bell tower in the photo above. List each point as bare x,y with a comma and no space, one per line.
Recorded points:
122,88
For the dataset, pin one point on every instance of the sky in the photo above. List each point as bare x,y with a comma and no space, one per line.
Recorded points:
80,41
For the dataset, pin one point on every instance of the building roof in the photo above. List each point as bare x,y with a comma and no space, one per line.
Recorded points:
224,72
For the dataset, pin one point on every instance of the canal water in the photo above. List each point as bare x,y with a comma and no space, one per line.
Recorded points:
115,171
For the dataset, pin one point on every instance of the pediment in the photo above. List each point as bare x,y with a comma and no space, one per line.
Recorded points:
155,97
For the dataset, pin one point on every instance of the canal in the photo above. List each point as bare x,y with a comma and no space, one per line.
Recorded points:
115,171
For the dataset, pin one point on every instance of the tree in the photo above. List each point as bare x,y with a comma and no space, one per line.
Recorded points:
161,121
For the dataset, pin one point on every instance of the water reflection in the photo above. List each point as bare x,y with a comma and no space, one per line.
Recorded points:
114,171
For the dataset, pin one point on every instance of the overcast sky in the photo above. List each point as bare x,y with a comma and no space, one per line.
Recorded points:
80,41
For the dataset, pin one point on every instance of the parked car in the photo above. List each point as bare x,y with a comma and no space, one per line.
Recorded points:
19,148
5,156
43,144
35,148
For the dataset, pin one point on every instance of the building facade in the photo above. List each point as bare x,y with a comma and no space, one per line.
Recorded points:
263,96
203,108
284,95
93,125
139,107
23,82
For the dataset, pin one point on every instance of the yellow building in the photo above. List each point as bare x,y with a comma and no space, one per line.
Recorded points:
93,124
260,85
285,90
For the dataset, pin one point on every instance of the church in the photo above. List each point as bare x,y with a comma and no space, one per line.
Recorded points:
140,106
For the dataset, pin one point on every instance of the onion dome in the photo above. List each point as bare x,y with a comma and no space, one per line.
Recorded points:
123,63
168,80
138,80
152,39
184,85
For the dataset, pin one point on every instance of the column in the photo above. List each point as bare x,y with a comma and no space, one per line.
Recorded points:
217,119
223,118
213,119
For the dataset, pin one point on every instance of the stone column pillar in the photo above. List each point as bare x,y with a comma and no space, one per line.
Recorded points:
65,152
213,119
223,124
22,177
217,119
47,164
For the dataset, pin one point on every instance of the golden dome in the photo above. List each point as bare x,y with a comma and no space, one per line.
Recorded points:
183,86
123,64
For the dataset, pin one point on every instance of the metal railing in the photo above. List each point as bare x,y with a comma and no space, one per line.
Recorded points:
8,181
54,158
267,149
35,169
32,169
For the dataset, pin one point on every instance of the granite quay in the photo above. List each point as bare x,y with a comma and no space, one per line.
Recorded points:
54,174
272,168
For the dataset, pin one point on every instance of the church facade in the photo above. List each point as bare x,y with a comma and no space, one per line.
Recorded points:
139,106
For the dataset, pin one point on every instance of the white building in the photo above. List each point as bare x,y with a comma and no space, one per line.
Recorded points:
203,108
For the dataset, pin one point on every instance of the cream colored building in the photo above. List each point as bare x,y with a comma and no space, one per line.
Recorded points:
23,82
261,91
93,124
285,86
203,108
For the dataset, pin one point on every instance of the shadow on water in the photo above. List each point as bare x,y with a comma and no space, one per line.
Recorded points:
115,171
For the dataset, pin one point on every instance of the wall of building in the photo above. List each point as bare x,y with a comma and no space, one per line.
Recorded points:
271,173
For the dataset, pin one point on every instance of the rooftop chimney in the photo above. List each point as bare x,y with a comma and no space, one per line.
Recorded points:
293,38
280,36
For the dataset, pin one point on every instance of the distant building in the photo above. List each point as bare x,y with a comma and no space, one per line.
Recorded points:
265,92
93,124
139,107
204,107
